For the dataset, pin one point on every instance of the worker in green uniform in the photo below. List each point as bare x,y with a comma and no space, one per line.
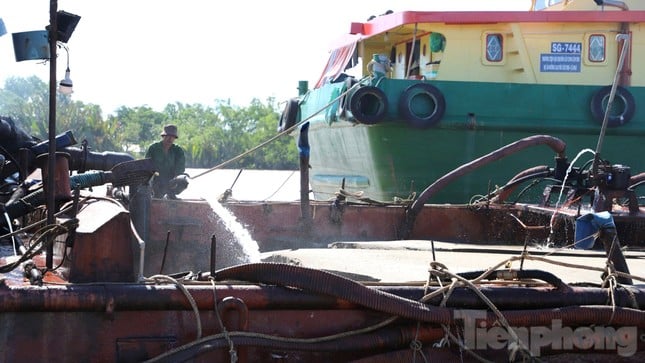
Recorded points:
170,162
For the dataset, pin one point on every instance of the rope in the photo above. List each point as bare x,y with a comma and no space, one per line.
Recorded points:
417,347
278,135
359,196
611,290
559,263
231,347
457,280
460,281
426,286
39,241
280,187
164,278
437,269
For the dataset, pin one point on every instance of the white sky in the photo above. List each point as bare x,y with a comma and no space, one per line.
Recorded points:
154,52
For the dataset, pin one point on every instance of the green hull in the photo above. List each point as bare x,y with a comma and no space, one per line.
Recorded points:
392,160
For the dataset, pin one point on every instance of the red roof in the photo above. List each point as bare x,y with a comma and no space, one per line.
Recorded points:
387,22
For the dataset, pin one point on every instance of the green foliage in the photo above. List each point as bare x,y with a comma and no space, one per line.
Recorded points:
210,135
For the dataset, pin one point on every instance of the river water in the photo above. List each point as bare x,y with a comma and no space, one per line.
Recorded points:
256,185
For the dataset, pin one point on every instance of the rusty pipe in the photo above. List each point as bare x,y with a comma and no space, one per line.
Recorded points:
397,337
263,297
387,338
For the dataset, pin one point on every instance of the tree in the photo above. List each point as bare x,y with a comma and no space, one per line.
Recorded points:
26,101
138,127
210,135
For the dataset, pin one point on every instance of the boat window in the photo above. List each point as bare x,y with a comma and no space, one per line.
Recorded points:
494,47
597,48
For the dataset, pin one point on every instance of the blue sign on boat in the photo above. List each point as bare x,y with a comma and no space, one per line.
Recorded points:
560,62
566,47
564,57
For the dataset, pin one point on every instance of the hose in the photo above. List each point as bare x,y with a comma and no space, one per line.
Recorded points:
541,171
557,145
19,207
335,285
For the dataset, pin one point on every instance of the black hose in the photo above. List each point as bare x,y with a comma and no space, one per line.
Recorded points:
335,285
82,159
19,207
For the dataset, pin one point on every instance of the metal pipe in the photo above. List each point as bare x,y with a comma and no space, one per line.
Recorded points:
165,252
19,206
612,94
213,264
389,338
142,250
125,297
140,214
610,242
83,160
62,140
304,150
24,164
51,202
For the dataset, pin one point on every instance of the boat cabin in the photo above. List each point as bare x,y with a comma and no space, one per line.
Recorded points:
557,42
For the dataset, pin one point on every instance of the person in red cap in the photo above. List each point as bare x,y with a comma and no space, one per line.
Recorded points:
170,161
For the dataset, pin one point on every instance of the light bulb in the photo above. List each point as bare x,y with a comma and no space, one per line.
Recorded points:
65,86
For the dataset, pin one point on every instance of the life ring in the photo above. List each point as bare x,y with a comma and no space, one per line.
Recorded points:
368,105
289,116
346,94
422,105
622,111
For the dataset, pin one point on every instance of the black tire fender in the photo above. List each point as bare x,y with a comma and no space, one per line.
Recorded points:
368,105
289,116
343,103
623,108
422,105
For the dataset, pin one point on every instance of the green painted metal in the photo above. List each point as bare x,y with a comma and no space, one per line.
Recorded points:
392,160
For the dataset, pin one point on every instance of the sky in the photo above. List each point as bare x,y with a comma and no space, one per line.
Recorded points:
154,52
